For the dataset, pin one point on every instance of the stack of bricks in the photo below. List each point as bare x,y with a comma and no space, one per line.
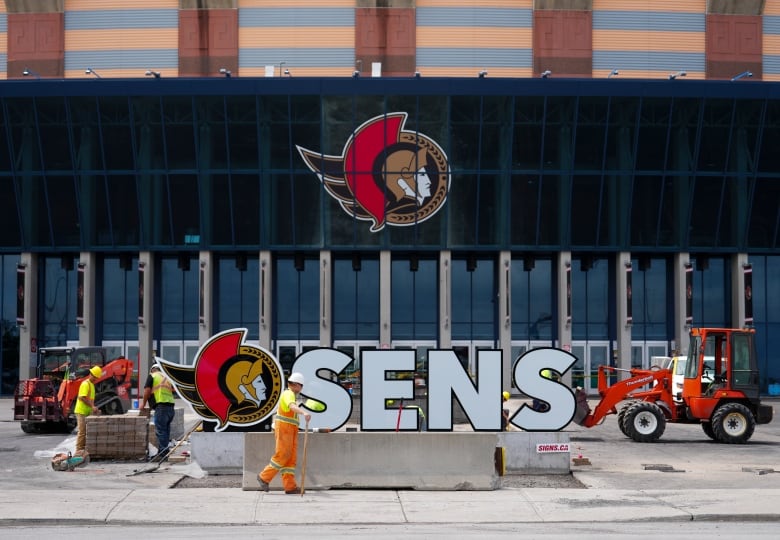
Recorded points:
117,436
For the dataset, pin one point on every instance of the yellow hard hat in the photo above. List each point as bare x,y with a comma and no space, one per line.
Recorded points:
96,371
506,396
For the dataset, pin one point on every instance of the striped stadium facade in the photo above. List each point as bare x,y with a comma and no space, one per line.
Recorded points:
713,39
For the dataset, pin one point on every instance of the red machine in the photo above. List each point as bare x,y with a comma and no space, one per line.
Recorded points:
46,402
720,392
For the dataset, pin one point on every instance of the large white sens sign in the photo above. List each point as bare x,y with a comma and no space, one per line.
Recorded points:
480,398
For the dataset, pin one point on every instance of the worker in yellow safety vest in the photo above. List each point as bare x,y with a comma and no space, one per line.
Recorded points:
286,431
85,405
158,386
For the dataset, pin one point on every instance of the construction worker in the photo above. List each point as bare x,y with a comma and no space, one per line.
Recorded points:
158,386
286,432
85,405
505,412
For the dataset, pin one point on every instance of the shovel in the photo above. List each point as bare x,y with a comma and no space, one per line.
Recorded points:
165,457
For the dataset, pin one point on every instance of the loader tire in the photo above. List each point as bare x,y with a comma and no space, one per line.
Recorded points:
733,423
110,404
707,427
645,422
621,416
67,426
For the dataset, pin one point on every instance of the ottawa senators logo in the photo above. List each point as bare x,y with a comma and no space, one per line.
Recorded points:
385,175
231,382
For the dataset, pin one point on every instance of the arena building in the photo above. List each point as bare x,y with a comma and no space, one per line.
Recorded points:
597,176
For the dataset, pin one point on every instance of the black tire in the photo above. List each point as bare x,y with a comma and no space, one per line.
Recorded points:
707,427
733,423
68,425
112,407
28,428
621,416
645,422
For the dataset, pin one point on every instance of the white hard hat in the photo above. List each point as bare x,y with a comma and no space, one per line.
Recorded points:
296,378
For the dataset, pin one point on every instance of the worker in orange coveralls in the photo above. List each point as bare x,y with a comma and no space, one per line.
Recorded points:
286,430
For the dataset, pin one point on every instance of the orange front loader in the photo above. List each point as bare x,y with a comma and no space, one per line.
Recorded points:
720,392
46,402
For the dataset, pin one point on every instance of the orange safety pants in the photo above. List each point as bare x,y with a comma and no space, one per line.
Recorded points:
285,456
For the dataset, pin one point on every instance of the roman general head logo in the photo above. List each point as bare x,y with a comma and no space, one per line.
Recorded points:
385,174
231,382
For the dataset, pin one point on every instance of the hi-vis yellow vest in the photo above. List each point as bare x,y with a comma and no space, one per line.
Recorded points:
162,388
86,389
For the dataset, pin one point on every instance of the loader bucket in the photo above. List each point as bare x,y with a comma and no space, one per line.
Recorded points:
583,409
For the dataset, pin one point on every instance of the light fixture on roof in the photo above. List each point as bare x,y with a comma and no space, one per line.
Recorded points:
282,63
225,72
546,73
29,72
287,72
155,74
90,71
673,76
417,75
482,74
741,76
613,73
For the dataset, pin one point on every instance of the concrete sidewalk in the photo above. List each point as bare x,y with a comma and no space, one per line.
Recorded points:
750,497
224,506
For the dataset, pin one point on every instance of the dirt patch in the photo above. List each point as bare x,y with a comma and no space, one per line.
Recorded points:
563,481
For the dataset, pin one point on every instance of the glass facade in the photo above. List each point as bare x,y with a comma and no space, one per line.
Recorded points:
236,166
565,166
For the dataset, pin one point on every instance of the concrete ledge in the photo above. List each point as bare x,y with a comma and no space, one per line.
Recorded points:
223,453
219,453
368,460
522,457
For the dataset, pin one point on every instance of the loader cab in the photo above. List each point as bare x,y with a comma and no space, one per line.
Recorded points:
721,359
58,363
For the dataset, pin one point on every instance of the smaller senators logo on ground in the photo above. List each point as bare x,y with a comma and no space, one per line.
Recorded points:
385,174
231,382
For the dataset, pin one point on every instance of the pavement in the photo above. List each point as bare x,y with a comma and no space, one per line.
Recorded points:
110,493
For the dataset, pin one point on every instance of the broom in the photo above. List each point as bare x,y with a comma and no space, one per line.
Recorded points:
303,466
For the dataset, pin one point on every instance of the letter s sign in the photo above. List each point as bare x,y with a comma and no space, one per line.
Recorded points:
527,375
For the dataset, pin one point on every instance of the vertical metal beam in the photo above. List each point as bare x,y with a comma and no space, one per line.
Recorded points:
623,327
266,307
563,266
326,294
205,295
445,299
88,331
505,316
385,297
146,260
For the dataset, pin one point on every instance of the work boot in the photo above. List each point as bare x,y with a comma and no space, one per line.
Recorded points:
294,491
263,483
